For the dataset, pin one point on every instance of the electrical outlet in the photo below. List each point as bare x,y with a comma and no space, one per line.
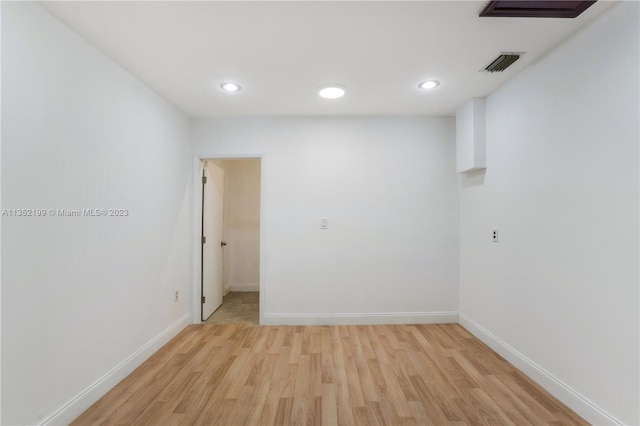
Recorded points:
176,295
494,235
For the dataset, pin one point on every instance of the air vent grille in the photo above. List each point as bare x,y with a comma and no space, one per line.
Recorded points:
502,62
535,8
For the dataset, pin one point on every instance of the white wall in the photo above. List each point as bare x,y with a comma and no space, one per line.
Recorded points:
389,189
0,225
242,224
80,295
558,295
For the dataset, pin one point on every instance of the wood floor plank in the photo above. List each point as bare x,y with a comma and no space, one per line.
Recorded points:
314,414
329,406
435,412
296,348
241,409
257,405
303,377
240,373
269,408
327,375
315,381
283,412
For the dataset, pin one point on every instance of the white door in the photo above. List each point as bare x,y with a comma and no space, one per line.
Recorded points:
212,246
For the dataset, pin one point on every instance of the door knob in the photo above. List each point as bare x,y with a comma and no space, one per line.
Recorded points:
223,243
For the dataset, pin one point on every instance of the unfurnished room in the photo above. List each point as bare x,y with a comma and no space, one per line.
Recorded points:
320,212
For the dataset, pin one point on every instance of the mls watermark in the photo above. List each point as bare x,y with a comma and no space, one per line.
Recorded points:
65,212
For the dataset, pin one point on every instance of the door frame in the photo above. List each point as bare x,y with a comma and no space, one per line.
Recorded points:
196,219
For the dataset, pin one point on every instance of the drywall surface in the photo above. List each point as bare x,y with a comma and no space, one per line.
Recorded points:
470,136
389,191
242,224
560,288
83,297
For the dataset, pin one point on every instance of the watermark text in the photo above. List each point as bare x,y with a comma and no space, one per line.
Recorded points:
65,212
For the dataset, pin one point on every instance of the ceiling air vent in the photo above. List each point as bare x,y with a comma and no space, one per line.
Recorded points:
535,8
502,62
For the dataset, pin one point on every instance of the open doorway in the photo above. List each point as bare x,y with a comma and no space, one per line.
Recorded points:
230,247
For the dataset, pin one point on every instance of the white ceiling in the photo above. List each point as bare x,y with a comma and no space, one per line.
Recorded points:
282,52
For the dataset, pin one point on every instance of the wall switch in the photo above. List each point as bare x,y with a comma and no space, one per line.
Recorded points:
176,295
324,223
494,235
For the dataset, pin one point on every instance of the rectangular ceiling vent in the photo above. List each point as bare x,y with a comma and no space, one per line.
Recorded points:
535,8
502,62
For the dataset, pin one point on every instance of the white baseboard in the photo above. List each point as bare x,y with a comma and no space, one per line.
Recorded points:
361,319
244,287
578,403
85,399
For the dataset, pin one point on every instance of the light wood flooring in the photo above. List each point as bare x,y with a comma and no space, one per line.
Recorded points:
324,375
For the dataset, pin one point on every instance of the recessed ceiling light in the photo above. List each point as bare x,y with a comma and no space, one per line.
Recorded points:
332,92
230,87
429,84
